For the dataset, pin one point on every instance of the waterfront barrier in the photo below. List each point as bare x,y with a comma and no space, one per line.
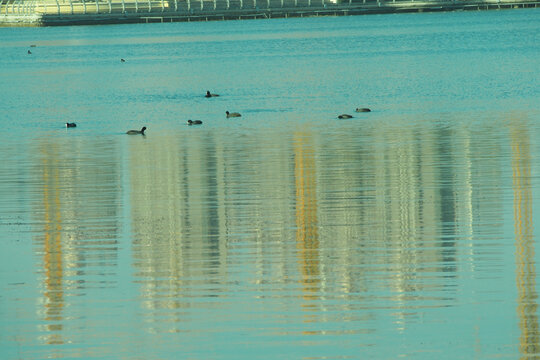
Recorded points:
80,12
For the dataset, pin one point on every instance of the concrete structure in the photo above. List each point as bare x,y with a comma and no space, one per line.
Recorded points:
79,12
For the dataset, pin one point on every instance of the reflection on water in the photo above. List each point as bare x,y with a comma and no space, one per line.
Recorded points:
307,237
177,224
76,219
269,236
527,306
405,232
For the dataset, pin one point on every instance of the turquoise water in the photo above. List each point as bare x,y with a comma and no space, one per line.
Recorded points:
406,232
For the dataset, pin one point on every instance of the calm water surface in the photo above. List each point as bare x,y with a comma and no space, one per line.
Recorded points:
407,232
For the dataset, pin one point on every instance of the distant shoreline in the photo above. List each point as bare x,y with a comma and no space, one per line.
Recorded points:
97,12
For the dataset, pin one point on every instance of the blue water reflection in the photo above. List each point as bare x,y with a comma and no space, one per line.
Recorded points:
287,233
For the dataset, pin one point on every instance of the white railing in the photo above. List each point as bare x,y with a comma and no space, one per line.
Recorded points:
187,7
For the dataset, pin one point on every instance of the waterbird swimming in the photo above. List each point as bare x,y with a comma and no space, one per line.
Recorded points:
362,110
233,114
122,60
68,125
136,132
345,116
194,122
209,94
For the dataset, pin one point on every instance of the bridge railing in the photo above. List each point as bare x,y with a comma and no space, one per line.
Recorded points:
72,7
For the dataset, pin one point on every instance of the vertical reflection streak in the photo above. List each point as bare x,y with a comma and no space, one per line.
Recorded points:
523,228
52,256
466,210
307,237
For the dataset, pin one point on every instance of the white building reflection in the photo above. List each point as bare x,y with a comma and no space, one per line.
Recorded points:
177,222
76,212
383,210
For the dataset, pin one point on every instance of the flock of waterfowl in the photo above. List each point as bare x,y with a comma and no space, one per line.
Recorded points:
199,122
227,114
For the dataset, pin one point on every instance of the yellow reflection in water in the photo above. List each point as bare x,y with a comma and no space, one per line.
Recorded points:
75,207
523,227
53,301
307,236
